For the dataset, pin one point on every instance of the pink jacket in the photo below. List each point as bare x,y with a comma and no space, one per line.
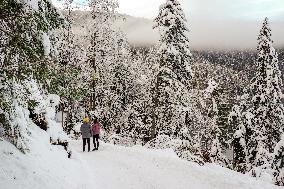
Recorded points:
96,129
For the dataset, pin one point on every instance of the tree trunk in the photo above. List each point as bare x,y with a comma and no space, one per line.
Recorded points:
154,115
62,118
93,96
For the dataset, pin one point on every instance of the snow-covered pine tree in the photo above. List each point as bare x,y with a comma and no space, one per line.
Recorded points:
260,116
24,46
216,151
140,78
278,163
238,119
210,135
121,73
266,109
34,18
214,133
172,82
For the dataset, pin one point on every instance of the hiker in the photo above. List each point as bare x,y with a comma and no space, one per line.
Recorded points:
86,133
96,129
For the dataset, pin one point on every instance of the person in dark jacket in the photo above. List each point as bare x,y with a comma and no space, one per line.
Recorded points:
86,133
96,130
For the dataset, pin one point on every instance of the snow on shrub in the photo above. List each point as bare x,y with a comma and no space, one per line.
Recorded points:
117,139
18,132
75,133
15,115
17,120
187,155
57,135
46,105
181,147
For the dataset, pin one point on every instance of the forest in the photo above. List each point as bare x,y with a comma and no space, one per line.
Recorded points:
209,106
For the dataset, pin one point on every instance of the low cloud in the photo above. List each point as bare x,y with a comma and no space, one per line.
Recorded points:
231,34
206,34
218,24
215,24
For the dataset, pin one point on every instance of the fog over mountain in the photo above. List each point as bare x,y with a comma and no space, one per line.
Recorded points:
224,34
210,35
204,34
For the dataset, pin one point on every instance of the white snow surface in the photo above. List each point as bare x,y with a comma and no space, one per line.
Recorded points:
46,44
117,167
112,167
44,167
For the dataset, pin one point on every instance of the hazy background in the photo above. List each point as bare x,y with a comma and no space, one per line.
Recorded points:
213,24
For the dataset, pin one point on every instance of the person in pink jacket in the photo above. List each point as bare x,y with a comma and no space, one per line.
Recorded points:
96,131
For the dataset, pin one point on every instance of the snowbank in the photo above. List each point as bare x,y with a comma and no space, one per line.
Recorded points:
44,167
180,147
55,129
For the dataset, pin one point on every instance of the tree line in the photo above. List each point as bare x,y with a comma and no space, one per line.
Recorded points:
150,98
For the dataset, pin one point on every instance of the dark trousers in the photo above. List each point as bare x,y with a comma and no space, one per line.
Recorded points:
96,141
84,144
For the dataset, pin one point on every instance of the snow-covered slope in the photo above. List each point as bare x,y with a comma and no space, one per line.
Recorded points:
115,167
112,167
44,167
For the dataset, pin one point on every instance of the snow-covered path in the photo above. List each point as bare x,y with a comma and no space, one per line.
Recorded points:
116,167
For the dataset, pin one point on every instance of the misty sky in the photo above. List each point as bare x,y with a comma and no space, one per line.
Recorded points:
236,9
218,23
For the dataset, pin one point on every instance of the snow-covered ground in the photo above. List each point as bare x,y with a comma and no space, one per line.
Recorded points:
44,167
112,167
115,167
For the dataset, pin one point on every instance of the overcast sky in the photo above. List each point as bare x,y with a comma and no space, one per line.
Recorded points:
238,9
214,23
227,9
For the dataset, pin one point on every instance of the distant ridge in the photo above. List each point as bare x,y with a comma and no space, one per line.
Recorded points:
139,31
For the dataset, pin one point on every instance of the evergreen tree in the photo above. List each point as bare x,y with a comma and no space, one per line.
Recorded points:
260,116
24,48
266,109
238,119
171,95
216,151
209,132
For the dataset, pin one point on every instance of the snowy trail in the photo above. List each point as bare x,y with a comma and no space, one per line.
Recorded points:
116,167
